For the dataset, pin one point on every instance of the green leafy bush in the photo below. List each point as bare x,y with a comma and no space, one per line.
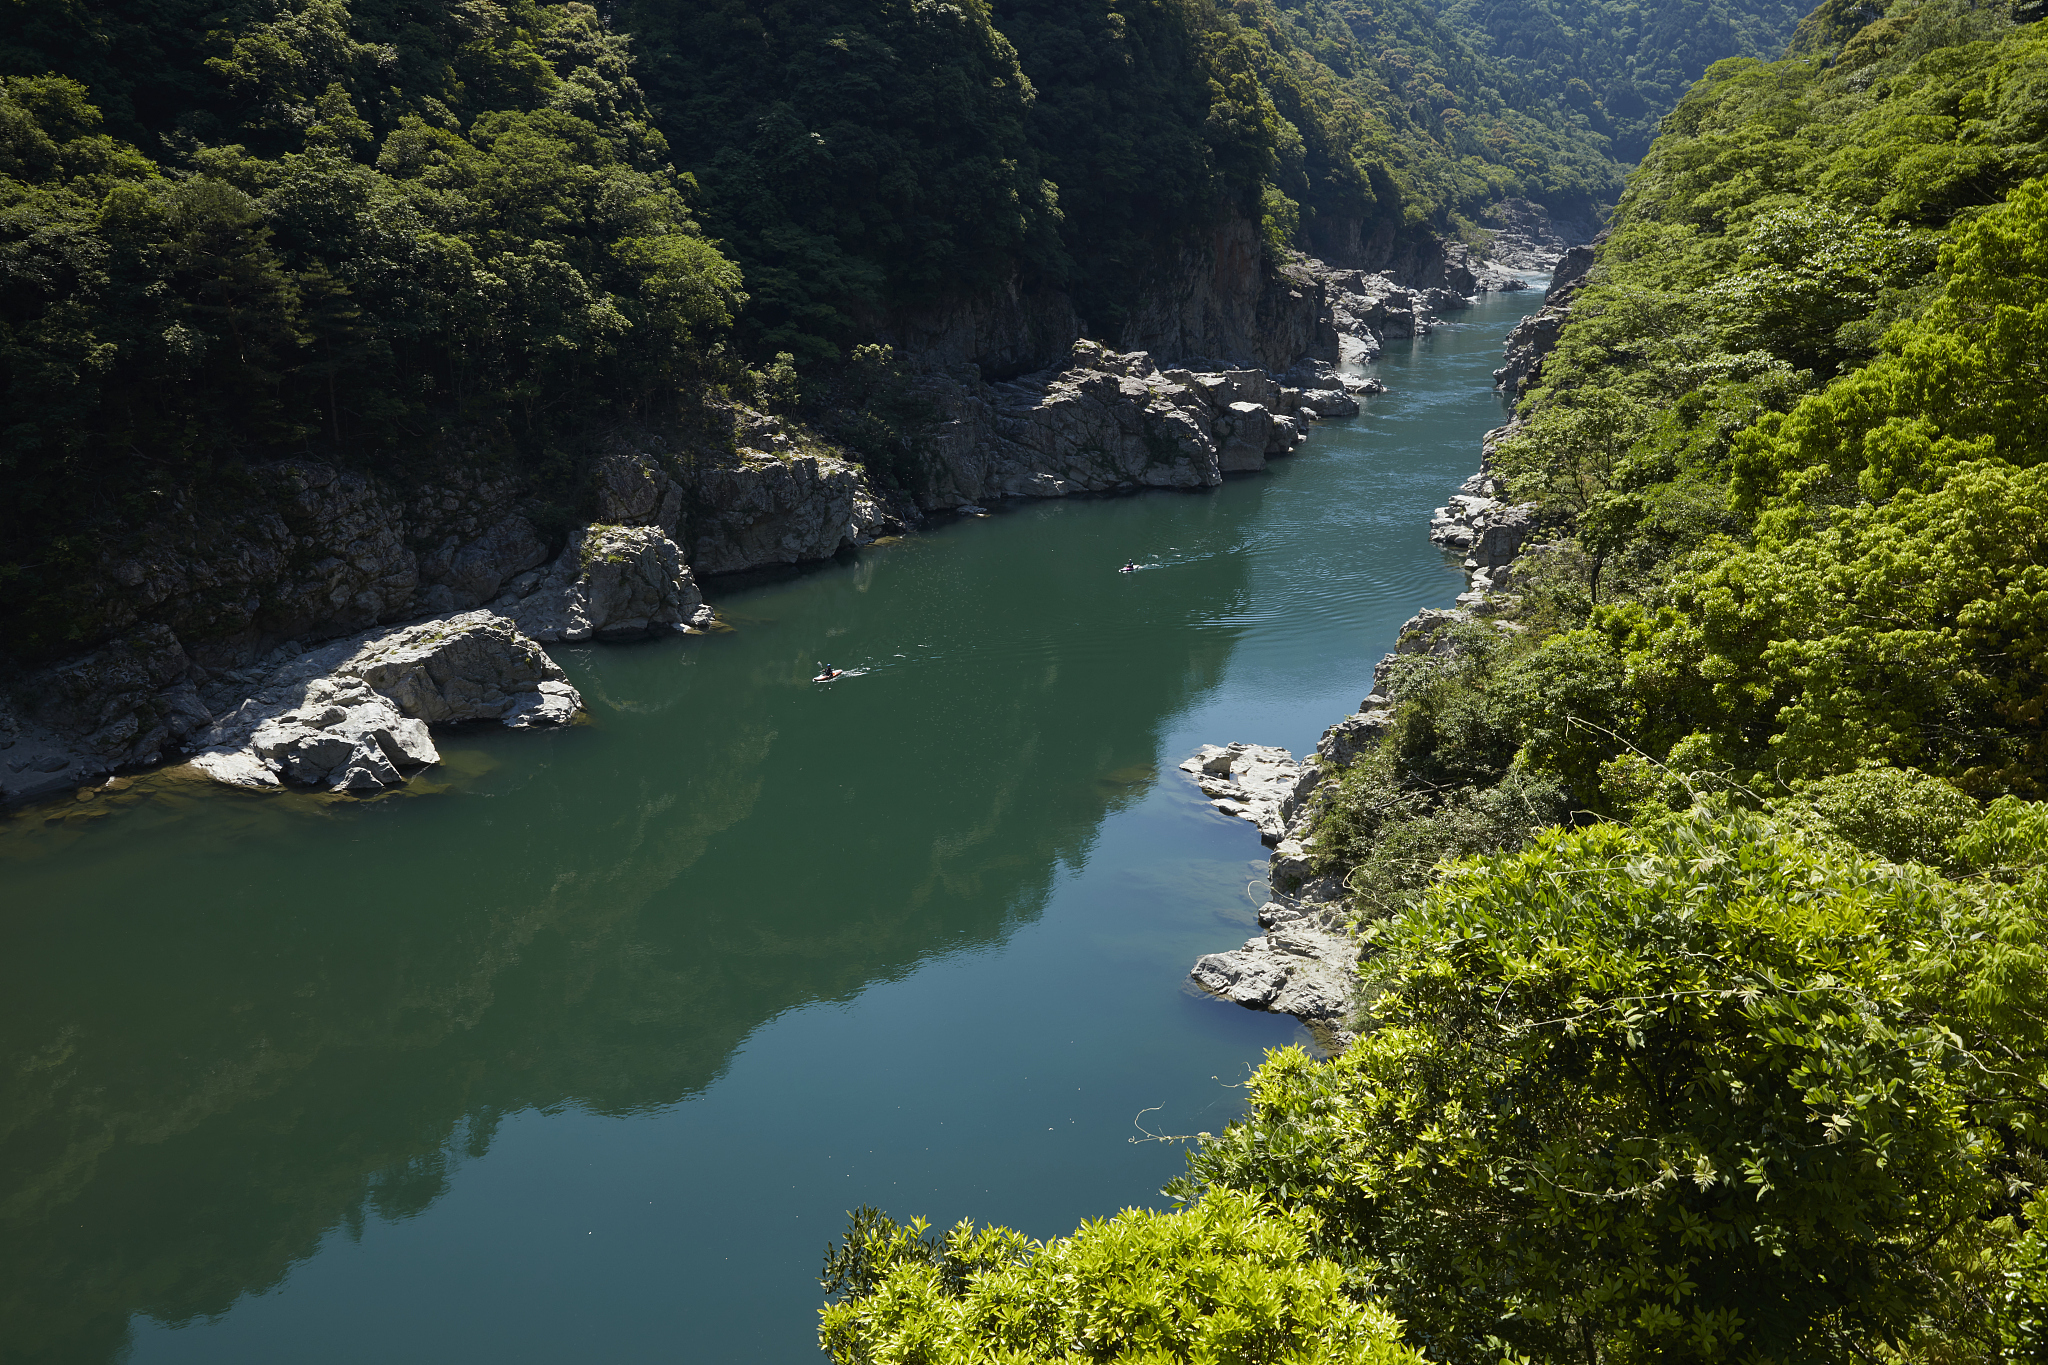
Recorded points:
1696,1090
1227,1279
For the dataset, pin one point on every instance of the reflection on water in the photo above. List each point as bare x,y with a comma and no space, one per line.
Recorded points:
239,1027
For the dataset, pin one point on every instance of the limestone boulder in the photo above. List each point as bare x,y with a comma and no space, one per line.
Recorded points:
1298,968
475,666
353,715
612,583
343,734
1256,783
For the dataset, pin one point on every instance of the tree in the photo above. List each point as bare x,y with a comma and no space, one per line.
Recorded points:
1697,1090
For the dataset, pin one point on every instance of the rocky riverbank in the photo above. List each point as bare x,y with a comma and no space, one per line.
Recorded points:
195,617
1304,962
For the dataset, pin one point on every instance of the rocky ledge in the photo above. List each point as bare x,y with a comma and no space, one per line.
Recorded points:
1110,420
353,715
1303,964
1535,336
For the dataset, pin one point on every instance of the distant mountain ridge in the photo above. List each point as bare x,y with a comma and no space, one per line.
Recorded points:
1621,64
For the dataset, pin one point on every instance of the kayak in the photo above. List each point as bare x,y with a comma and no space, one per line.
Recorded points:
828,677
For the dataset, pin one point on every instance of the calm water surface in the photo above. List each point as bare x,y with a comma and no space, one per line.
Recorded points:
580,1050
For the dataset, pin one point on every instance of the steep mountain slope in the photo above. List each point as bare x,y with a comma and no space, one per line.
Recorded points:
868,155
344,232
1745,1058
1622,64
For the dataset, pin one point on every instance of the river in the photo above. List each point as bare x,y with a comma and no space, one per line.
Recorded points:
580,1047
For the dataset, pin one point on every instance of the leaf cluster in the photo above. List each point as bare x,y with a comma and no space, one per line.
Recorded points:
1228,1279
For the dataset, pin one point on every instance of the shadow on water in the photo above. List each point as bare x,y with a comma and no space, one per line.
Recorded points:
239,1022
577,1049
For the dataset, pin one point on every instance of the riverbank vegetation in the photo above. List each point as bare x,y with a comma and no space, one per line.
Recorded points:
406,234
1703,886
364,233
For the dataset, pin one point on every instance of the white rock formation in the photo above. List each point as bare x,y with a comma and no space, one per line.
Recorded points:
1297,967
1253,782
353,715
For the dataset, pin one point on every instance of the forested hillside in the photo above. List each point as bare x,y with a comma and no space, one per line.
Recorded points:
350,230
860,156
394,233
1619,63
1702,879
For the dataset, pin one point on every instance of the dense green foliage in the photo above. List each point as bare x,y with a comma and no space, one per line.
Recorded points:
1620,63
351,230
1819,528
1692,1090
865,155
1748,1059
1230,1279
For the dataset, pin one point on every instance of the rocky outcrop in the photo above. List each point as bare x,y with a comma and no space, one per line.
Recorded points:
1010,329
352,715
776,506
1251,782
1108,420
1220,299
1299,966
1523,235
1305,961
612,583
308,551
1535,336
1488,532
1217,296
121,704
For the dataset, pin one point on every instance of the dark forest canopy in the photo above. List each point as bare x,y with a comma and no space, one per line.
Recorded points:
865,153
225,237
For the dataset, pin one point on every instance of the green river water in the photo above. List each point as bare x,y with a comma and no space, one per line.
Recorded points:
579,1048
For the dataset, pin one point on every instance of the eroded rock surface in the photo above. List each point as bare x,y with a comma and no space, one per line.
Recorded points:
1106,420
612,583
353,715
771,506
1297,967
1303,964
1252,782
1535,336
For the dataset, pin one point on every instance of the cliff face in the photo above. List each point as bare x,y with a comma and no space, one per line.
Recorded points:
1215,301
1535,336
201,601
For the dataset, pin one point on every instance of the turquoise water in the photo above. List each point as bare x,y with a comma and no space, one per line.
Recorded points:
581,1050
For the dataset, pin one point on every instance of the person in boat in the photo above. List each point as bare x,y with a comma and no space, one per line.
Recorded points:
827,674
1130,566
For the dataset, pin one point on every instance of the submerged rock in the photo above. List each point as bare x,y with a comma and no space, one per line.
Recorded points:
353,715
